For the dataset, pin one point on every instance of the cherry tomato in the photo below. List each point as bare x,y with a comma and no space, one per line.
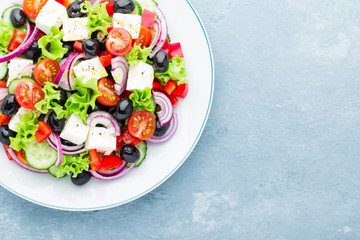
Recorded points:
145,37
118,42
3,84
109,97
27,94
142,125
17,39
33,7
46,70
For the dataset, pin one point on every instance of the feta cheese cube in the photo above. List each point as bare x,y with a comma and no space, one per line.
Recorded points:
75,29
101,139
52,14
89,69
16,118
15,66
140,77
75,130
130,23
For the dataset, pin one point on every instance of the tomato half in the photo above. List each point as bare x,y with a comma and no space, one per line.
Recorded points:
27,94
142,125
118,42
17,39
33,7
145,37
46,71
107,88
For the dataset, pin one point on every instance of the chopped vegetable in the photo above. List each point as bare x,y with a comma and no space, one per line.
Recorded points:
95,162
99,19
175,72
51,45
48,103
74,164
138,54
143,100
43,132
6,34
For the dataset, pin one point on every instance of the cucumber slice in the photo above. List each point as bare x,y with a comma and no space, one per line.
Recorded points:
3,68
54,171
13,84
142,147
138,9
6,16
148,4
40,155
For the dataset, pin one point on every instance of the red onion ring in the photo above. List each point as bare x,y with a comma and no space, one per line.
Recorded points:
3,93
168,135
70,80
25,69
119,89
157,30
164,32
59,150
110,173
105,119
66,150
166,113
104,178
21,164
65,66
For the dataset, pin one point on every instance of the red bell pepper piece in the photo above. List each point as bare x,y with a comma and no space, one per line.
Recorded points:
43,132
66,3
181,90
170,87
126,94
95,160
148,18
17,39
110,28
110,9
105,59
110,162
173,100
3,84
21,156
166,46
157,85
175,49
78,46
3,118
7,153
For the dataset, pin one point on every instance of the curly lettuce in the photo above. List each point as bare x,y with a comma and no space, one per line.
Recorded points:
138,54
99,19
51,45
27,127
49,102
85,96
6,33
143,100
175,72
74,164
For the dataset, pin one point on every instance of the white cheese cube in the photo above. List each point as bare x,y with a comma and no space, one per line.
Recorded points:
130,23
75,29
52,14
140,77
16,65
75,130
89,69
100,139
13,124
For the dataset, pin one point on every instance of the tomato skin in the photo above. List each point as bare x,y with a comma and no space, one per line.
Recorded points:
46,70
17,39
110,162
145,37
142,125
3,84
7,153
33,7
107,88
27,94
118,42
126,138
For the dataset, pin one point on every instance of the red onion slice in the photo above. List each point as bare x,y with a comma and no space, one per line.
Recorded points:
65,66
66,150
164,32
157,30
168,135
72,64
166,112
3,93
105,119
116,171
104,178
59,150
119,89
25,69
119,71
21,164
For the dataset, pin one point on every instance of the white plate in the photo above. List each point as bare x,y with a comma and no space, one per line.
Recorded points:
162,160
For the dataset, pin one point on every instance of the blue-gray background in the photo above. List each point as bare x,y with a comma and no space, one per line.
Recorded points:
279,158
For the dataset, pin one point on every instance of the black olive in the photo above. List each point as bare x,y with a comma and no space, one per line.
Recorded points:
67,143
57,125
91,47
63,98
9,105
102,45
17,17
160,131
108,70
124,6
161,62
74,10
98,35
69,46
123,109
5,134
129,153
33,52
81,178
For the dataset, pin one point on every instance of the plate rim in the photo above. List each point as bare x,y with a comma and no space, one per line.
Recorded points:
170,173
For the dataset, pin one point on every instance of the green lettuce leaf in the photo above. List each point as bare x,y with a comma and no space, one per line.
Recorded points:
48,103
75,164
99,19
6,33
55,51
85,96
138,54
27,127
143,100
175,72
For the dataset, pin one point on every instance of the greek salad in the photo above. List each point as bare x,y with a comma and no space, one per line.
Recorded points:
87,85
